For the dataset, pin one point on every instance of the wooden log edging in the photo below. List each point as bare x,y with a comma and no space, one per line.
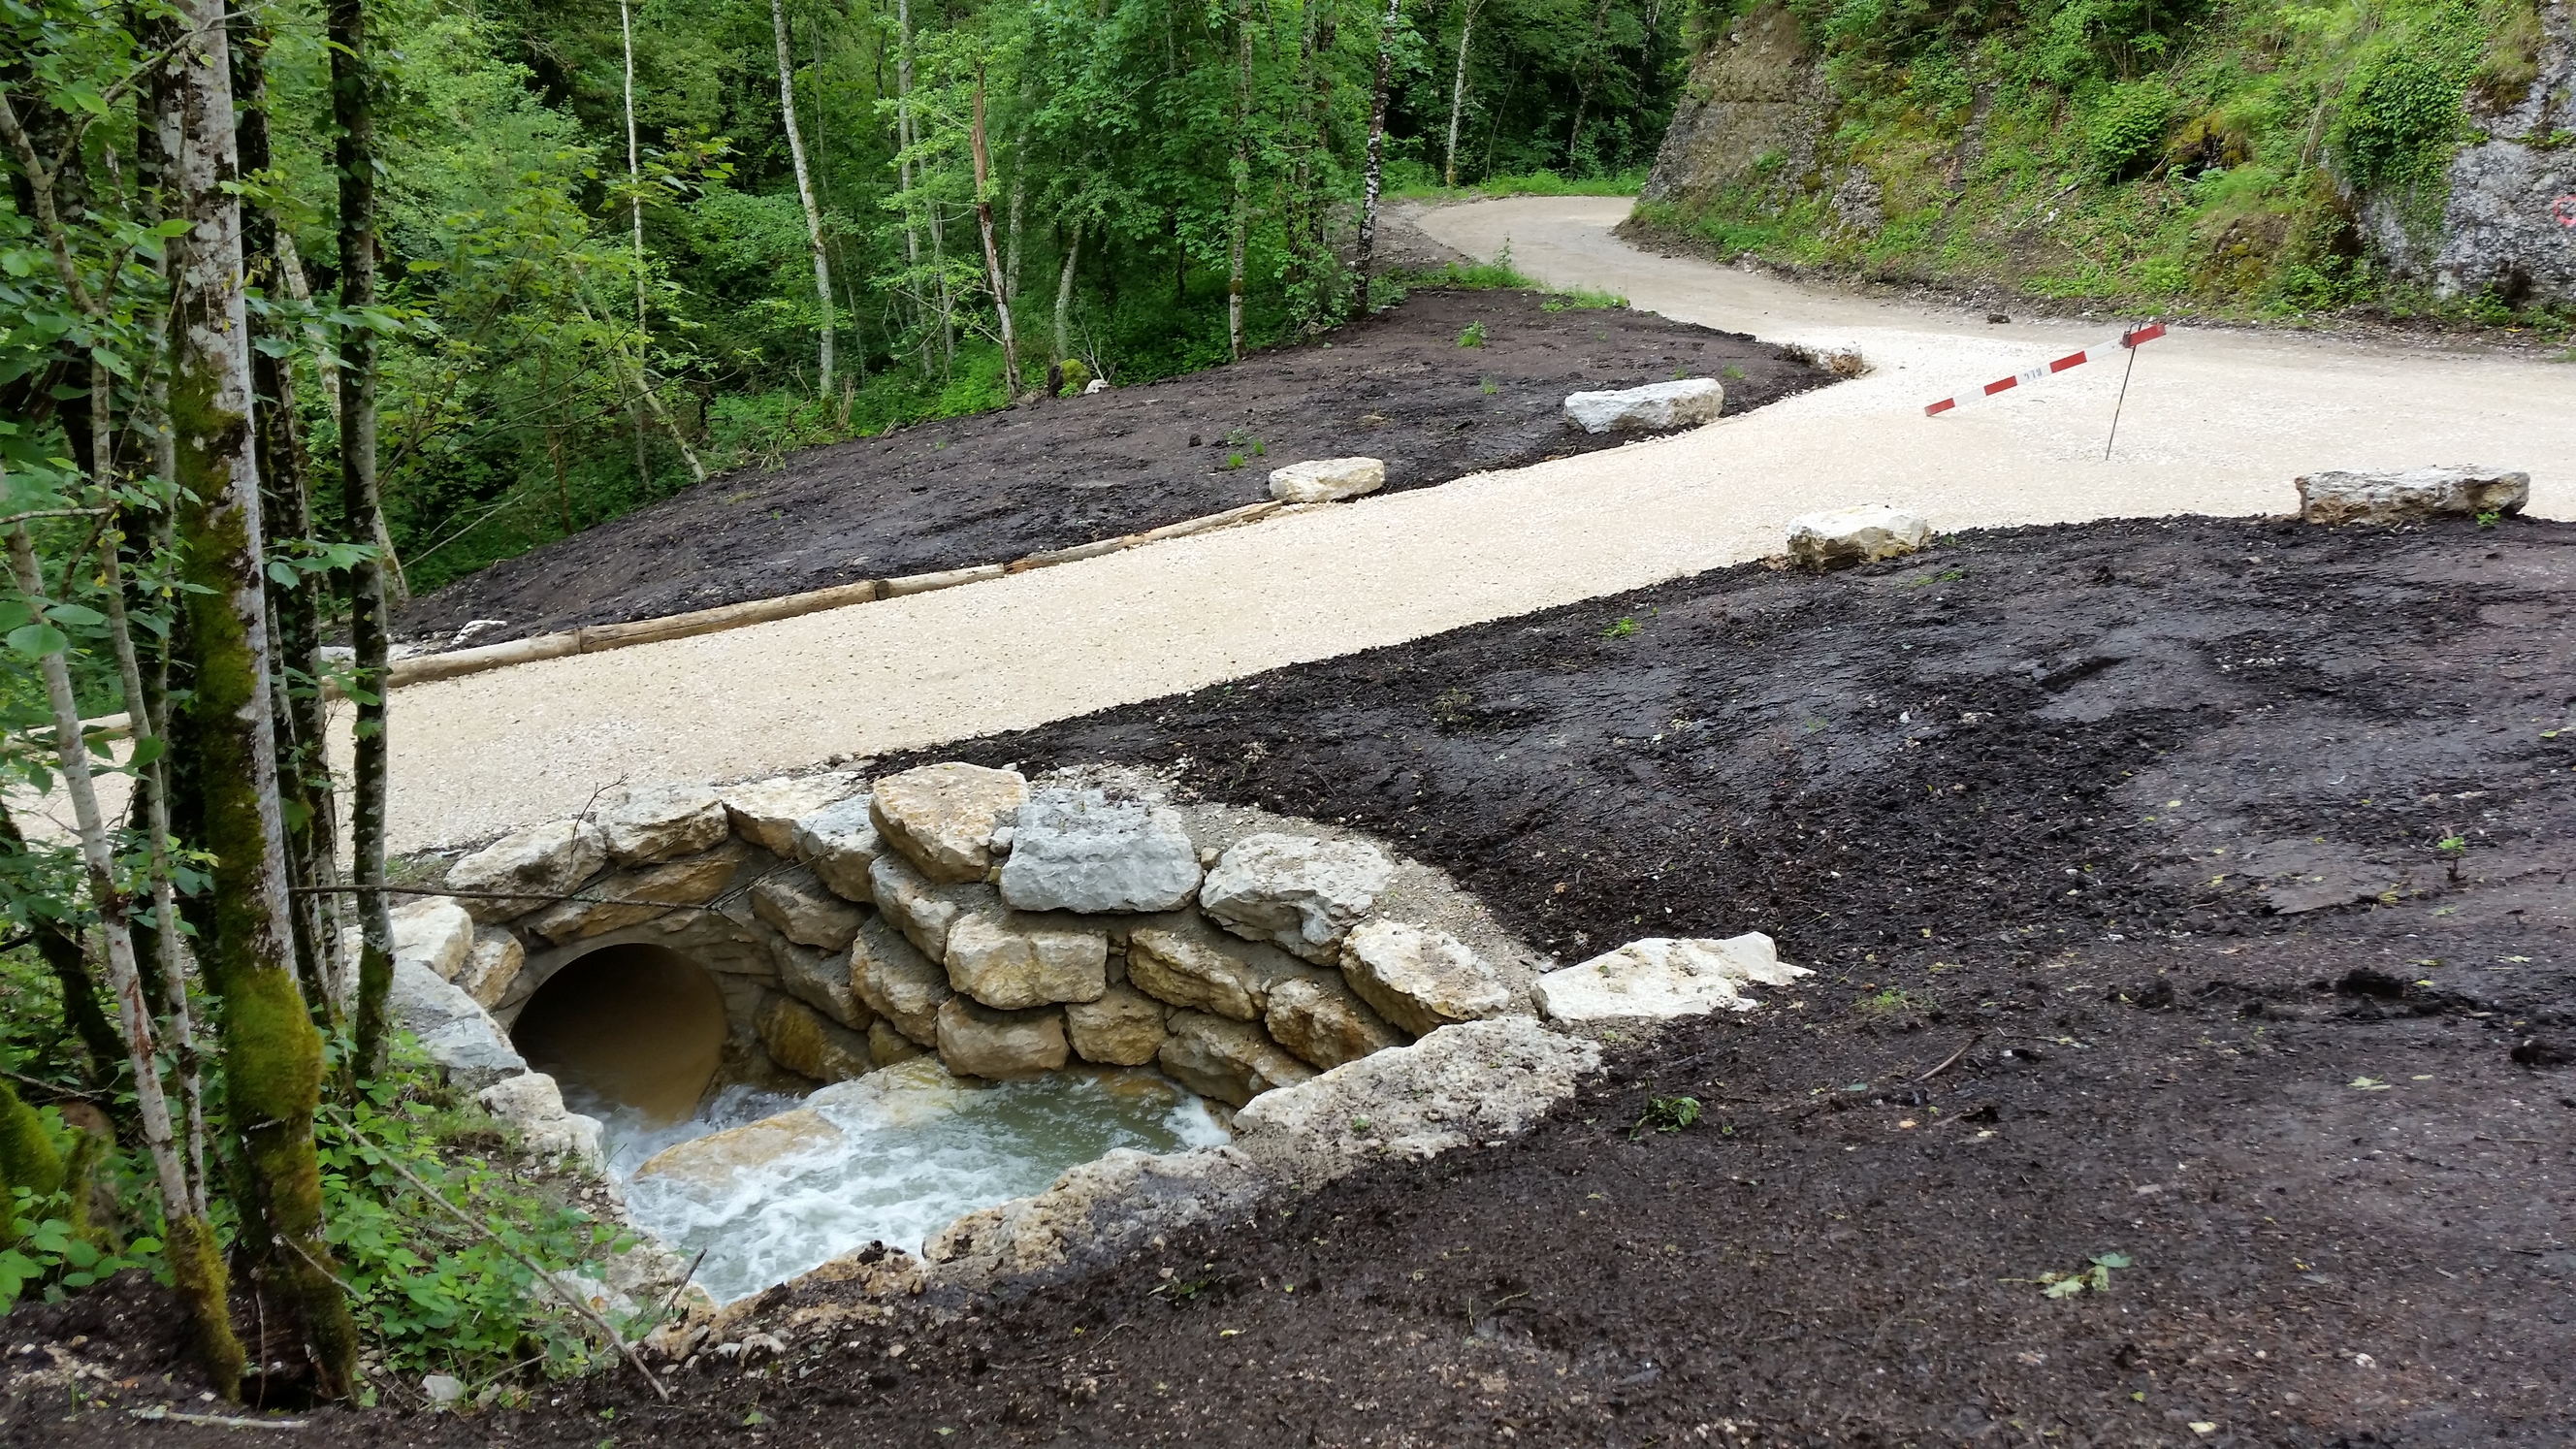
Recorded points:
599,638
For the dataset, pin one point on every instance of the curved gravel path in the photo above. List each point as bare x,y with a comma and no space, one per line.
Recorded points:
2216,422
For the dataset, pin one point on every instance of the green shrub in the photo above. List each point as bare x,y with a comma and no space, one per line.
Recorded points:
2398,114
2128,127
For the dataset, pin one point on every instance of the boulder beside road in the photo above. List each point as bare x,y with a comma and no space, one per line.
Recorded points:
2405,494
1658,407
1847,536
1327,480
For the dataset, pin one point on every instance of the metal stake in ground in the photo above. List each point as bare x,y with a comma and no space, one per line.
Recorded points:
2122,402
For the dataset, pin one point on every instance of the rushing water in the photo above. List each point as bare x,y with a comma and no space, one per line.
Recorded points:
891,1157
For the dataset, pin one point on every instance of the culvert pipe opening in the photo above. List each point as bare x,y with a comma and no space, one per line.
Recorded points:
636,1029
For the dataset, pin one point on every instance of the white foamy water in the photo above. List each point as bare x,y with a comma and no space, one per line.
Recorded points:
891,1157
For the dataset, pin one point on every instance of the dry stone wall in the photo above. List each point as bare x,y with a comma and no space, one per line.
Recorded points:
959,911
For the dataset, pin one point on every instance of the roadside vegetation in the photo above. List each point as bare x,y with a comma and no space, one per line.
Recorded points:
2231,156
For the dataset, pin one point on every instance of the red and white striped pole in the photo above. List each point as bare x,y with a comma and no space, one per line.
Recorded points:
2132,338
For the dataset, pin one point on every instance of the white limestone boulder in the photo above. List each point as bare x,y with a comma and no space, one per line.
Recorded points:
1480,1082
1180,961
839,843
546,861
1015,960
1326,480
1232,1061
2406,494
1079,850
456,1033
433,932
1844,537
1660,978
532,1103
921,908
797,905
1420,979
629,897
1324,1024
643,824
807,1043
893,979
1658,407
1124,1028
1295,891
942,817
977,1041
712,1167
491,966
765,812
825,983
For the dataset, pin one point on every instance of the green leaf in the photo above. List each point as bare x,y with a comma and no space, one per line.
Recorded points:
2111,1260
78,616
2064,1288
38,640
282,573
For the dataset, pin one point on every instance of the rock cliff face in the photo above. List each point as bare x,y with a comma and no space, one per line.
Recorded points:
1751,112
2510,223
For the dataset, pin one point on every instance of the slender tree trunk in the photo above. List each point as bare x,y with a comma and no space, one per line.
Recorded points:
1591,75
1064,293
353,112
1241,221
1376,147
190,1240
62,953
903,139
635,214
304,776
1458,94
992,256
804,187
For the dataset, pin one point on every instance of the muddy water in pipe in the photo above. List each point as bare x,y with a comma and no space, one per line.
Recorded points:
638,1025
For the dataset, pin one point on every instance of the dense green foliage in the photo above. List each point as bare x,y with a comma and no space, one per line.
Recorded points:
2238,156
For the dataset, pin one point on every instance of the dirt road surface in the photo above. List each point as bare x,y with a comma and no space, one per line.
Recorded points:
2216,422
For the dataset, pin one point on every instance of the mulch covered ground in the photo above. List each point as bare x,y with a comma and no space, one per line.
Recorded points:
1000,486
2120,853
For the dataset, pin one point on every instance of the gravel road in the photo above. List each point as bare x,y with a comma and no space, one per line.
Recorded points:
2216,422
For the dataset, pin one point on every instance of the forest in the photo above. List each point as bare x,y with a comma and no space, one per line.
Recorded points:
309,306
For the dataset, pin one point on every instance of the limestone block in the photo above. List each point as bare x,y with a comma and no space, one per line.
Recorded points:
800,1039
897,982
839,842
1012,960
765,812
2401,495
533,1104
491,966
825,983
1324,1024
915,1094
1296,891
456,1033
1323,480
1418,979
1079,850
800,907
1098,1212
921,908
714,1164
548,860
1232,1061
977,1041
1847,536
1658,407
1481,1082
1659,978
695,880
887,1046
434,932
1179,960
1124,1028
943,816
644,824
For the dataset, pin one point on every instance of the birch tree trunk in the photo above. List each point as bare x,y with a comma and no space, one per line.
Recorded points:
1458,95
635,214
1242,178
1376,147
992,256
903,141
353,112
194,1261
804,187
1064,293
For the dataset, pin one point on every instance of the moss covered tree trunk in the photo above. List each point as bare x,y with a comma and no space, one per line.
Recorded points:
352,111
272,1055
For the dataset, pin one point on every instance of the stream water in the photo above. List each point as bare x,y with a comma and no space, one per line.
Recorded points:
891,1157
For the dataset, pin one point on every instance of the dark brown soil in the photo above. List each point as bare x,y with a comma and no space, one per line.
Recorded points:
2118,852
1000,486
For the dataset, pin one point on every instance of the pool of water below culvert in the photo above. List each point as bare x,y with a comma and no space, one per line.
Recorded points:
768,1186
